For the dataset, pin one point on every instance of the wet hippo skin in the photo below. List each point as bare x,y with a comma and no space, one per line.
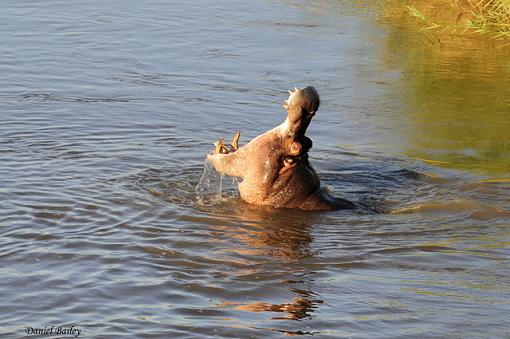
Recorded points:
274,166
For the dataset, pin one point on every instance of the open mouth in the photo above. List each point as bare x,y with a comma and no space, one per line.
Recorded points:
221,148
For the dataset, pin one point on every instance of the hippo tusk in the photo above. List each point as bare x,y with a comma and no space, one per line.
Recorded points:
219,147
235,140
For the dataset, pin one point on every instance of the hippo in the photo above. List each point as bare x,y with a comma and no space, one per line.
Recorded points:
274,166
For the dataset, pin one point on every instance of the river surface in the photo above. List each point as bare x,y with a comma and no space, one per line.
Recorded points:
108,109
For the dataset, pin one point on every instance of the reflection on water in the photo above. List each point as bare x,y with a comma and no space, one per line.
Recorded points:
108,221
278,234
298,308
456,94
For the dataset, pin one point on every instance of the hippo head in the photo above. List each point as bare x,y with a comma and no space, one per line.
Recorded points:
274,166
301,106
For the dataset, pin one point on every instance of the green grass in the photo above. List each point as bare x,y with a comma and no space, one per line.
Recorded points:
488,17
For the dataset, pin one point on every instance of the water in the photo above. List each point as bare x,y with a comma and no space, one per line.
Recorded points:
108,109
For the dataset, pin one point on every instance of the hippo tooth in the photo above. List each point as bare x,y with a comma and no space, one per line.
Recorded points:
218,142
235,140
218,145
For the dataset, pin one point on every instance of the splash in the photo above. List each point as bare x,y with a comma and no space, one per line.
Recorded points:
213,185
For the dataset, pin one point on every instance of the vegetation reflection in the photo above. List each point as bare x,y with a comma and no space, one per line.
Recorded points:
454,86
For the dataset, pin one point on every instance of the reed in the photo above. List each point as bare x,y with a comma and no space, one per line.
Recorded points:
489,17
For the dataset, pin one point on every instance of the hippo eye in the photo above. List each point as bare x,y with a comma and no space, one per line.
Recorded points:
288,162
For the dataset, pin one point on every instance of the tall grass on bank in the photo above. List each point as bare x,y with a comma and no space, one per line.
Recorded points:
491,17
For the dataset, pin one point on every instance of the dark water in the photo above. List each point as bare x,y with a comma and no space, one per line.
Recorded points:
109,107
